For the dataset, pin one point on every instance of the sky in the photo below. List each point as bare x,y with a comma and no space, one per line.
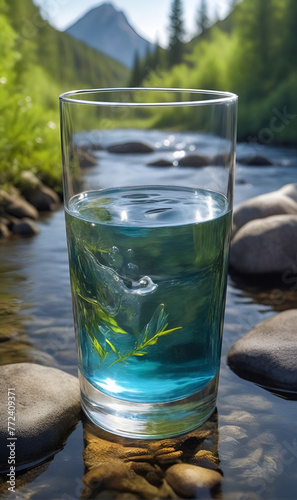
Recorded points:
148,17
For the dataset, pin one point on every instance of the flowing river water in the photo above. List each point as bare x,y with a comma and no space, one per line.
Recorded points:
36,325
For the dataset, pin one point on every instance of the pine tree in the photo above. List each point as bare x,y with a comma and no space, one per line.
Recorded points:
176,33
256,30
202,17
136,74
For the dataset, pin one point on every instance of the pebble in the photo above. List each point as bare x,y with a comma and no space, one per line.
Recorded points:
187,480
232,430
47,407
228,447
267,355
240,416
247,462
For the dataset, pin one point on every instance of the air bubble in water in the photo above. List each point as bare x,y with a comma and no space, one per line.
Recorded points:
144,285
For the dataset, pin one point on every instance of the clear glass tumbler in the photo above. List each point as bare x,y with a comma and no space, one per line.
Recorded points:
148,191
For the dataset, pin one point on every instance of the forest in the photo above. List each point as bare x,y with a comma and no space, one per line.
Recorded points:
252,53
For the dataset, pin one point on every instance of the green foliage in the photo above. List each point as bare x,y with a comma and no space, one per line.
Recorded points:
252,53
38,63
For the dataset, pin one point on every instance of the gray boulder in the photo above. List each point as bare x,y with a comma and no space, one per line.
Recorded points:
267,355
267,245
130,147
37,194
161,163
255,161
282,201
194,161
25,227
47,407
14,204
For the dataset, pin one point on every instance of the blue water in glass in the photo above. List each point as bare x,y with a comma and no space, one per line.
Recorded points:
148,272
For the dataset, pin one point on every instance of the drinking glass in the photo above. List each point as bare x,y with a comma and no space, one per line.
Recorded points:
148,190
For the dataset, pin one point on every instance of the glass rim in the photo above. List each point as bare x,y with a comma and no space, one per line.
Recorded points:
219,97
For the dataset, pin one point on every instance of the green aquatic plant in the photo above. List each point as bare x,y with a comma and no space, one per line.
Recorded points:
104,323
158,324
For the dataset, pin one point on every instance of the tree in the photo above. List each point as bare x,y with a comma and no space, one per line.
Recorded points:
136,74
202,17
176,33
256,30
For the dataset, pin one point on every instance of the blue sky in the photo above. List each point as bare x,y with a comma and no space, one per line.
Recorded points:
148,17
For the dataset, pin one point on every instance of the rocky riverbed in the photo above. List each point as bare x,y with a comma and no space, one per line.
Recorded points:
247,449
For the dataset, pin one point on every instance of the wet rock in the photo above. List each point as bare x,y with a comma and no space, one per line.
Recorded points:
282,201
267,245
267,355
255,160
195,161
238,416
16,205
228,447
119,476
233,430
130,147
47,406
37,194
25,227
187,479
248,461
160,163
4,231
206,459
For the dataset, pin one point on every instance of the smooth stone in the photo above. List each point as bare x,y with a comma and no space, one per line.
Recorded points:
194,161
267,245
267,355
205,458
228,447
255,161
187,479
282,201
240,416
25,227
248,461
130,147
120,476
233,430
160,163
37,194
15,205
47,407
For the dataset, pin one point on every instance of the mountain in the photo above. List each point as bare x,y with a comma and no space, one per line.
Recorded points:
106,29
71,63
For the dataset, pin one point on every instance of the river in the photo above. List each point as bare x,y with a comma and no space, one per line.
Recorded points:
36,325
